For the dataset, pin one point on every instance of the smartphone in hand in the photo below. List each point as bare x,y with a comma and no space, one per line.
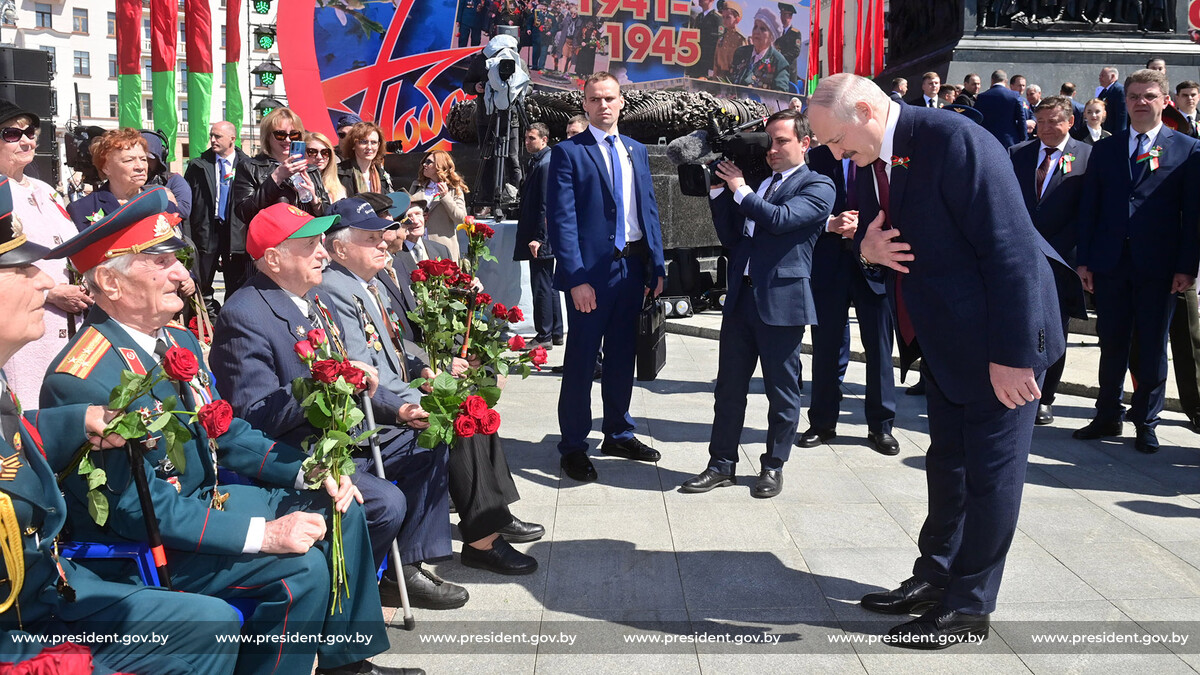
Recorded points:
299,149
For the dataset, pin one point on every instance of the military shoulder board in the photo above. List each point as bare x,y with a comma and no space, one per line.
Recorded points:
81,360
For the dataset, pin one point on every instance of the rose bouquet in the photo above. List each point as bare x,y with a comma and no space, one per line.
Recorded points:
477,249
181,366
328,397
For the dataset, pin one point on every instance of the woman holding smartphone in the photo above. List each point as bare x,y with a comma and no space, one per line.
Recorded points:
278,174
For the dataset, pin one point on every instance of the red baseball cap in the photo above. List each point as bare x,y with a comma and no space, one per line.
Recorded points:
280,222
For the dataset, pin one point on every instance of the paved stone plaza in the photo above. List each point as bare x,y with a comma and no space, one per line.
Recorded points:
1109,543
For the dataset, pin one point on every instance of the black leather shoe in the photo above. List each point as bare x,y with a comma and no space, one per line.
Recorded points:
630,449
1194,421
917,389
769,483
883,443
1147,441
939,628
557,341
814,437
709,479
1045,414
427,590
578,466
368,668
1097,429
501,558
519,531
913,595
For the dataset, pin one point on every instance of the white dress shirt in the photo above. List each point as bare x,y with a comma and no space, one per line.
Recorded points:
1151,137
885,148
1055,158
633,230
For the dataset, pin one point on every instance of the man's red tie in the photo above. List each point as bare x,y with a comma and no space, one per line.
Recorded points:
907,332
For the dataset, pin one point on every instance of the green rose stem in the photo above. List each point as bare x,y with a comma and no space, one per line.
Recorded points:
467,334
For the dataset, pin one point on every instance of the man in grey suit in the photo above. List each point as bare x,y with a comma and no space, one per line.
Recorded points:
416,245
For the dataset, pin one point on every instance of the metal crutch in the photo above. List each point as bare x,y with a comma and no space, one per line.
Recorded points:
369,418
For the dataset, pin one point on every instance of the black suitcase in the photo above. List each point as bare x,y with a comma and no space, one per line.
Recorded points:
651,340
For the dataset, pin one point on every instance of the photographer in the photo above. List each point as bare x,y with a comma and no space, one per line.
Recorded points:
497,97
770,232
278,174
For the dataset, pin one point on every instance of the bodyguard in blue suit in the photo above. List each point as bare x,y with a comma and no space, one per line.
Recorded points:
1002,112
838,281
770,234
1113,95
1139,245
974,291
608,256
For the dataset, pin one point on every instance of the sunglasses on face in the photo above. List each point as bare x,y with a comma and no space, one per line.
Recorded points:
281,135
342,134
427,162
13,134
320,152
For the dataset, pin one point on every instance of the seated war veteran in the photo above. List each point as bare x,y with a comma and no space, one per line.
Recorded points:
254,358
264,544
41,593
479,481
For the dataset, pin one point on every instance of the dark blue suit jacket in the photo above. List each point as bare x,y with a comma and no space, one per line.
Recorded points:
531,217
1080,126
581,206
829,245
1117,118
780,253
1003,114
981,288
1160,215
1055,215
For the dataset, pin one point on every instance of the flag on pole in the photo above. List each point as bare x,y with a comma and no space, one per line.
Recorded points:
876,37
233,54
164,36
129,63
837,35
198,24
814,47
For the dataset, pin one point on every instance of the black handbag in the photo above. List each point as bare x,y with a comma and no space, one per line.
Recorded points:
651,339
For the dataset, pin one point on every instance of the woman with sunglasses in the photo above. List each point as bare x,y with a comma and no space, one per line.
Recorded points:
121,156
445,192
362,170
274,176
320,157
39,209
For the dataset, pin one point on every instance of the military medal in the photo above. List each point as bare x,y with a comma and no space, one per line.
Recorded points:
64,589
218,499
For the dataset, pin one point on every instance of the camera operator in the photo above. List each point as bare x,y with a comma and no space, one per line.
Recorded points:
770,233
497,97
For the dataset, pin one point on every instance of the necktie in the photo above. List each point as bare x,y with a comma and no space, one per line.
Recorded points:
1136,168
929,103
851,188
223,189
394,332
1044,169
903,321
614,159
419,250
775,179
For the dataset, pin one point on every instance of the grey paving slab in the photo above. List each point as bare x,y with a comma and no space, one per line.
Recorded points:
606,574
818,526
946,663
1032,575
722,580
1132,570
783,664
754,525
641,524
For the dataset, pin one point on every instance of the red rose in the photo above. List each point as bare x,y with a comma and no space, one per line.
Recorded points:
353,375
305,351
515,315
215,417
316,337
194,327
490,423
428,266
484,231
326,371
464,426
483,300
447,267
516,343
538,356
180,364
499,311
418,276
474,406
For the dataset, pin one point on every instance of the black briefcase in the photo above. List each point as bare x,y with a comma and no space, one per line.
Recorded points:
651,340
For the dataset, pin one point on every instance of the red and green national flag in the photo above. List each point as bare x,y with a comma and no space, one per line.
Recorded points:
164,36
198,26
233,54
129,63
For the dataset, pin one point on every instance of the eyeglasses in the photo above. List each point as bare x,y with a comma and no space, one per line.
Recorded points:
1148,98
281,135
14,134
427,162
368,141
322,152
341,134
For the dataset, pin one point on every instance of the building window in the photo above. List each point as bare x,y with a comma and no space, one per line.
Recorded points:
223,74
42,15
183,111
112,105
183,77
85,105
79,20
222,37
112,24
146,29
83,63
182,34
149,110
